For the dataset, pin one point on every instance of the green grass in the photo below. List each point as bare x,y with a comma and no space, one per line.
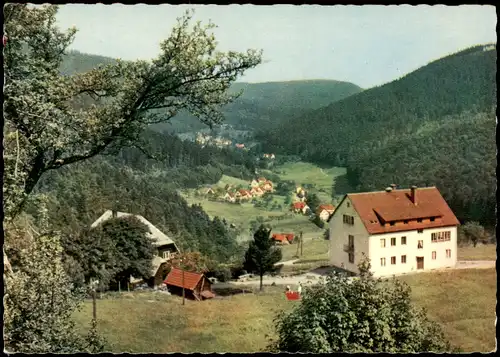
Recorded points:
480,252
229,180
303,172
312,249
462,302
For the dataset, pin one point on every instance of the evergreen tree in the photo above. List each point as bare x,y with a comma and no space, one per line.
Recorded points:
262,253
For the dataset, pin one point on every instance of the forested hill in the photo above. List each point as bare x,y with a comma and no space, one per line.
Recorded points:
434,126
260,105
130,182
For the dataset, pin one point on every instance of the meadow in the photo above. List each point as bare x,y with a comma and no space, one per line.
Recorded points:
154,322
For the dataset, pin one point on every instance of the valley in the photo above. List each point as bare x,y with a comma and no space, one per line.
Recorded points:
176,204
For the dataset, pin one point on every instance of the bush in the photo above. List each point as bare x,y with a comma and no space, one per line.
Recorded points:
357,315
222,273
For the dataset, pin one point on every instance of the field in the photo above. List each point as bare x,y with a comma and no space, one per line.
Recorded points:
307,173
241,215
312,250
462,301
481,252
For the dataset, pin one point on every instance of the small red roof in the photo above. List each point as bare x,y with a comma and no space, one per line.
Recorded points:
329,208
244,192
299,205
397,205
283,236
190,279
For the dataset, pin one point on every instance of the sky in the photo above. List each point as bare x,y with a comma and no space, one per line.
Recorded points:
365,45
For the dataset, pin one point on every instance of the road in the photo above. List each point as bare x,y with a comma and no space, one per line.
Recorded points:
317,275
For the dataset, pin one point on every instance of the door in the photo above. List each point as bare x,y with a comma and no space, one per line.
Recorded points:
420,263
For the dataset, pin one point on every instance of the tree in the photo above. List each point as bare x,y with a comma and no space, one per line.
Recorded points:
53,120
40,301
262,253
122,249
313,201
473,232
357,315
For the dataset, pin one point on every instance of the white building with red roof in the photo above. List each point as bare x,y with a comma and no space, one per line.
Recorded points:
399,230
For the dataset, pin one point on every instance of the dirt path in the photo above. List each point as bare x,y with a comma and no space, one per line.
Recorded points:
316,276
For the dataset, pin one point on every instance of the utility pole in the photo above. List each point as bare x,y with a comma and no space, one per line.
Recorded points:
183,289
93,285
301,243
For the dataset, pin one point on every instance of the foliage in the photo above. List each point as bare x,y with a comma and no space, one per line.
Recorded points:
61,119
418,129
262,253
39,300
313,201
358,316
113,251
472,232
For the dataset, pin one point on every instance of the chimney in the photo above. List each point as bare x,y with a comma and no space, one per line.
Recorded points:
393,185
388,189
413,196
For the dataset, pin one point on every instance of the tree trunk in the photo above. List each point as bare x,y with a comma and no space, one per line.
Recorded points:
261,276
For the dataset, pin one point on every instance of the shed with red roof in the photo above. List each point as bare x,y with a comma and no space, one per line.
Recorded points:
196,285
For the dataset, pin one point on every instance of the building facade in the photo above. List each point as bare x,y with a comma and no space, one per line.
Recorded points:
400,231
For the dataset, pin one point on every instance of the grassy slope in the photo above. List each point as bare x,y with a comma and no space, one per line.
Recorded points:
157,323
481,252
241,215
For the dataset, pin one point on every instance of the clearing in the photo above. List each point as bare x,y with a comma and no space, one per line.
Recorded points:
480,252
153,322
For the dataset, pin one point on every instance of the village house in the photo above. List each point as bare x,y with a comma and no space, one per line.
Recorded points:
230,197
196,285
300,207
165,246
244,194
267,186
240,146
283,238
399,230
325,211
256,191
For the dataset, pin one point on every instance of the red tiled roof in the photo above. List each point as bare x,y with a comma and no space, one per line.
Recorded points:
397,206
299,205
190,279
326,207
283,236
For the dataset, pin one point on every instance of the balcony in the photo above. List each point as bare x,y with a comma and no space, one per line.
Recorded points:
348,248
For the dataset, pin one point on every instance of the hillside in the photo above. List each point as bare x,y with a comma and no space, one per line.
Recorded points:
261,104
414,130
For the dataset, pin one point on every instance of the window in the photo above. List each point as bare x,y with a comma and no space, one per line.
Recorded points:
403,259
351,257
444,236
420,231
351,241
419,220
348,219
382,243
382,262
393,260
403,240
392,223
432,219
405,221
348,204
393,242
166,255
448,253
434,255
420,244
